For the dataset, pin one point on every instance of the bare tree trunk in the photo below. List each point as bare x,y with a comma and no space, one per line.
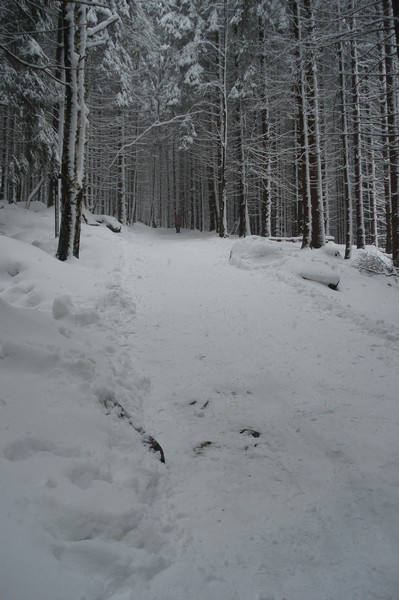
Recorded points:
357,138
317,235
345,145
122,173
68,195
5,156
266,202
392,122
82,124
244,226
223,130
74,19
385,147
304,130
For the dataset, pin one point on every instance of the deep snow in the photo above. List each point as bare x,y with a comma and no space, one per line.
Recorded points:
274,398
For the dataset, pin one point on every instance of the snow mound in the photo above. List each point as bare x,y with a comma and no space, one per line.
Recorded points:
323,276
96,220
255,252
63,308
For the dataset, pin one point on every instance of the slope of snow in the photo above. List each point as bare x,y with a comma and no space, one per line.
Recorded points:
273,397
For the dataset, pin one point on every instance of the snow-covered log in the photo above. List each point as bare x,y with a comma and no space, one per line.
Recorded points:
328,278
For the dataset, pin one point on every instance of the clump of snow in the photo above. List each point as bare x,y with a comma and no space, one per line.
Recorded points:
62,307
323,276
256,252
96,220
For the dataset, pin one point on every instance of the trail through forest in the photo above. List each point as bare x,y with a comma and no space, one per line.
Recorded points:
273,399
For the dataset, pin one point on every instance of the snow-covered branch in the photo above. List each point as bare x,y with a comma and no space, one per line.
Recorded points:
24,63
92,31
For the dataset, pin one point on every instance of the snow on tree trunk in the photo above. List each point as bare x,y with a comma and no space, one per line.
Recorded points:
76,32
304,135
345,144
68,182
385,145
392,122
223,230
122,174
82,123
357,141
265,131
244,228
318,234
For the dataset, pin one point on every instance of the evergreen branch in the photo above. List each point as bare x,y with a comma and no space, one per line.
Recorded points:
44,68
91,31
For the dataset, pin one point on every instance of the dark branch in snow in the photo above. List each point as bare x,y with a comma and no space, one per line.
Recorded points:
374,272
113,406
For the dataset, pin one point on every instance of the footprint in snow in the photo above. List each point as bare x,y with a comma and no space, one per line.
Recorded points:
27,447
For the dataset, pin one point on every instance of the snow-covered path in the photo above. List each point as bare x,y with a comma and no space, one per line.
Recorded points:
275,403
275,400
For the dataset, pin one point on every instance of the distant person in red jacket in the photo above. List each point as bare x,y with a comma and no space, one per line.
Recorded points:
177,223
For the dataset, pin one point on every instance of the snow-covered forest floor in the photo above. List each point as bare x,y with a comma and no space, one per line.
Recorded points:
274,398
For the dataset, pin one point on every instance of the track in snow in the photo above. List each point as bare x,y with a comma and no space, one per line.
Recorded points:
305,511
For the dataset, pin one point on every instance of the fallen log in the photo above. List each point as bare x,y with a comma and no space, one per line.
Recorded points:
328,278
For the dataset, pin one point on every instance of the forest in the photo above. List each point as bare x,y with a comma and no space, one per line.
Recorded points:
276,118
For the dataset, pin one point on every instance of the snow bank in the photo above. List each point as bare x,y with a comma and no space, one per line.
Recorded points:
76,481
256,252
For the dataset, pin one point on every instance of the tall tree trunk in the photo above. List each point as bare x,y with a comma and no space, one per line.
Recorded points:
54,196
314,154
304,140
345,144
5,155
385,146
266,202
68,183
357,137
82,124
122,172
223,130
395,12
244,226
75,122
392,122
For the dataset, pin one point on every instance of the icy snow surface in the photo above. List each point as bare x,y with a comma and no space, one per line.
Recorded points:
274,398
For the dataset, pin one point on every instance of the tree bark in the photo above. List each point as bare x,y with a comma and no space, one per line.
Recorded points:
348,203
392,121
357,137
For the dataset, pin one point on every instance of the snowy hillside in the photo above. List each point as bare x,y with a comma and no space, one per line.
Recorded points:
273,396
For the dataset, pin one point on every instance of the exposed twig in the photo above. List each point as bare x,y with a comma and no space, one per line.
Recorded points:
393,274
112,405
